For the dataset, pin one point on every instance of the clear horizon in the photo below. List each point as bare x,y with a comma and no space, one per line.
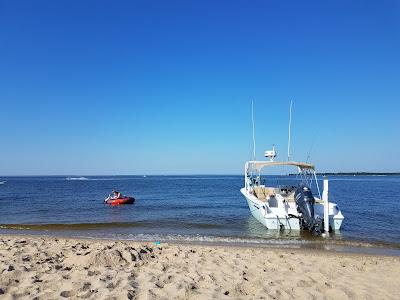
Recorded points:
136,87
213,174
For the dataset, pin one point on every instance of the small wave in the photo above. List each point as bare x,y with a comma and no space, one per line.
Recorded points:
197,178
102,178
85,230
100,226
327,245
112,178
76,178
71,226
101,230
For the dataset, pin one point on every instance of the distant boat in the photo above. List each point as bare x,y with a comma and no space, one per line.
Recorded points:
77,178
2,182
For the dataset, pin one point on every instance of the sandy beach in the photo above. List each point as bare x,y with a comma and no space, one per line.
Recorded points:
48,268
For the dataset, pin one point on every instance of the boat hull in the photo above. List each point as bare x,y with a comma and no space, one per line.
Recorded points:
270,220
273,219
120,201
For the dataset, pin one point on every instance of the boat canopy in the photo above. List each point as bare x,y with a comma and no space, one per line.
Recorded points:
261,164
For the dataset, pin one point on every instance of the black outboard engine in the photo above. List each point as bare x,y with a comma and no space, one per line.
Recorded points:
305,206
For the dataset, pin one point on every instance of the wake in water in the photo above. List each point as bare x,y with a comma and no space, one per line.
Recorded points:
76,178
100,179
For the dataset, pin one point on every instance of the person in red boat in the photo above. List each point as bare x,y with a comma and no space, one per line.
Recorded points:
117,195
117,198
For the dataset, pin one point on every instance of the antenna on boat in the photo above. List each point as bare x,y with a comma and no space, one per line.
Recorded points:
254,139
290,124
309,151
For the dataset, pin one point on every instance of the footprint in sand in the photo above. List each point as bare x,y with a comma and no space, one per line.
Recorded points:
303,283
66,294
86,286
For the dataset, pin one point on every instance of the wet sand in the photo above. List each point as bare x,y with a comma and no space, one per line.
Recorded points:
48,267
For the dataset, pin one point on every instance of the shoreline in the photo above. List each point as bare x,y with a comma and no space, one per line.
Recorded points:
59,267
235,246
336,246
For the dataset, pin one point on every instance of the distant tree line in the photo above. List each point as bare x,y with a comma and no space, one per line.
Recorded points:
355,174
359,173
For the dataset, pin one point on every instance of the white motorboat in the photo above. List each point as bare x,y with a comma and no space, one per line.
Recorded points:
2,182
292,207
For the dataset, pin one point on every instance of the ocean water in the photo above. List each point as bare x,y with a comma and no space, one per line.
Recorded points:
207,209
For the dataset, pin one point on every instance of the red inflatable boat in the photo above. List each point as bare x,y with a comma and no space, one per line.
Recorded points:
118,201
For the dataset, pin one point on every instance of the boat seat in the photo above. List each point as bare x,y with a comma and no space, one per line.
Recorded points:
269,191
264,193
259,193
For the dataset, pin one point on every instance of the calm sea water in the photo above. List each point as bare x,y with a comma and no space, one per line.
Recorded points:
190,208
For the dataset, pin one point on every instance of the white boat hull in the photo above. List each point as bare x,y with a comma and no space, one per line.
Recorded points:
278,217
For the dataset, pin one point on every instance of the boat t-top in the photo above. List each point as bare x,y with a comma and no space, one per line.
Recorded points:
292,207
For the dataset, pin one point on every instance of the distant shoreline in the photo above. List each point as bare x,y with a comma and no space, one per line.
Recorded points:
359,174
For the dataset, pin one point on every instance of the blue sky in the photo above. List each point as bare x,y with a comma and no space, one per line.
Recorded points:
165,87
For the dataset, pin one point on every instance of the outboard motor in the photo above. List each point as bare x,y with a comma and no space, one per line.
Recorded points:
305,206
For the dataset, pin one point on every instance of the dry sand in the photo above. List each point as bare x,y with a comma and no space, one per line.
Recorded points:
54,268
